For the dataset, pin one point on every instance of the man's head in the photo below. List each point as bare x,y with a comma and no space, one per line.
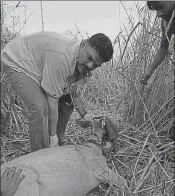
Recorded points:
93,53
164,8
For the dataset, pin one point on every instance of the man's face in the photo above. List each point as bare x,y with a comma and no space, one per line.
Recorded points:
88,59
164,9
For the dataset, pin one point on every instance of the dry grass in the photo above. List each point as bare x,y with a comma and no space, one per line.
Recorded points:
144,154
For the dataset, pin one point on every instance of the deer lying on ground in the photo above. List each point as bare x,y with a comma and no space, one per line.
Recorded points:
70,170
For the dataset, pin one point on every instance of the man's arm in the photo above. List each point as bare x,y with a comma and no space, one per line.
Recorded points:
161,53
53,114
159,57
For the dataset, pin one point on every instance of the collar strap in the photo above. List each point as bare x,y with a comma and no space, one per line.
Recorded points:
94,142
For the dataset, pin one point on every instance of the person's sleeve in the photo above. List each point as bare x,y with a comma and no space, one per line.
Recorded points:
54,74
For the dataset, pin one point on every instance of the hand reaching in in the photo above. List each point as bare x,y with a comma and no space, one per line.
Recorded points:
145,78
10,180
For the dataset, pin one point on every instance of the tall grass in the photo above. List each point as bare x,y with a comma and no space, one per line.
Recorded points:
143,114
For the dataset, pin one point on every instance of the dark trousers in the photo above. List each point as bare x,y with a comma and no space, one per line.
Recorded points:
35,100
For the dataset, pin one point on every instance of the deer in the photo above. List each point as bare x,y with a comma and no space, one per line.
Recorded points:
69,170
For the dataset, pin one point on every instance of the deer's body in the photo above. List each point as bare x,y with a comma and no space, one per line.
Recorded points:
64,171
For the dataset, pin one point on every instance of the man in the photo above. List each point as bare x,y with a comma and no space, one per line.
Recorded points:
48,70
165,10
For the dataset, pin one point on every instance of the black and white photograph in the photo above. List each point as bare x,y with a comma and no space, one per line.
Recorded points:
87,98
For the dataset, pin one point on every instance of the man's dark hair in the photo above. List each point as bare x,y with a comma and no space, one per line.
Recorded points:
103,46
153,5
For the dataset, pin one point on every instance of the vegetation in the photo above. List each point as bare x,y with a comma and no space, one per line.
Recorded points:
144,153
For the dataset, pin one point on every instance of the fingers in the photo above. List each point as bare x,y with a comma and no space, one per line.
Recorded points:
20,178
12,171
145,78
17,174
144,82
14,174
6,172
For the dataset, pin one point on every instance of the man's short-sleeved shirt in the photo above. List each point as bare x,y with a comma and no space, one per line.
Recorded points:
47,57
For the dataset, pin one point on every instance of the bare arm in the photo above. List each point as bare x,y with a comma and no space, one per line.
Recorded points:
162,52
159,57
53,114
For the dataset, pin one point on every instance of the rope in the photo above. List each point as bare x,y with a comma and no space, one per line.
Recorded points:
169,25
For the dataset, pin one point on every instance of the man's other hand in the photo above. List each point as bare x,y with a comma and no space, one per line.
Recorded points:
145,78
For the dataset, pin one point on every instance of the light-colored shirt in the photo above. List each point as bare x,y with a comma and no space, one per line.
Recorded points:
47,57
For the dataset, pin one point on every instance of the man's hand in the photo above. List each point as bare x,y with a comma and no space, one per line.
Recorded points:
145,78
10,181
53,141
